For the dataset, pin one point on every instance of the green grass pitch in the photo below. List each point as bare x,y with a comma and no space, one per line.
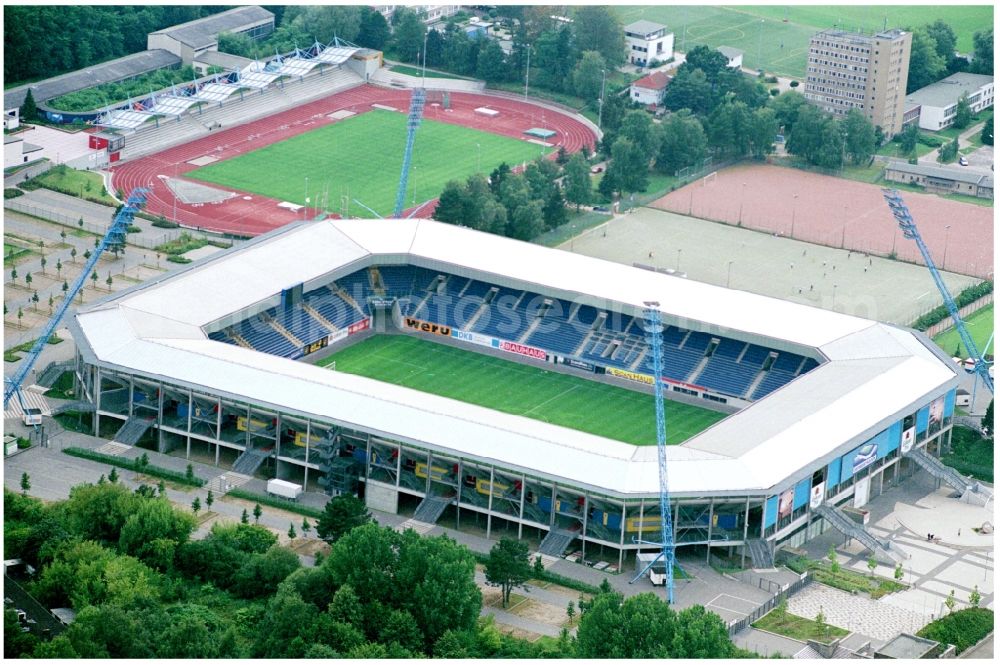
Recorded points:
980,327
560,399
361,158
781,47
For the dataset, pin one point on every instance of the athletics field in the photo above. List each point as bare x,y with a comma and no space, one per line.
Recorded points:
560,399
361,158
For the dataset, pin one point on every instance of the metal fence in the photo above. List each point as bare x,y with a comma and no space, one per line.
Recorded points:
744,623
144,239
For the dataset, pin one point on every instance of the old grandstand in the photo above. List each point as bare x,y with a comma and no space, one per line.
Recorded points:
824,410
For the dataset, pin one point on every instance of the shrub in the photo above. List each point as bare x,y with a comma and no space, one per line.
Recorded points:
963,628
967,296
793,84
771,79
163,223
134,465
775,92
174,258
932,141
12,193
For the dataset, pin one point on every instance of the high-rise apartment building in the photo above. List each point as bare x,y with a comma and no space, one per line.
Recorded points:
868,72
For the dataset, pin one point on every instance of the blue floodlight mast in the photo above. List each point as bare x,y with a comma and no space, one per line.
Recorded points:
412,122
114,239
909,228
654,338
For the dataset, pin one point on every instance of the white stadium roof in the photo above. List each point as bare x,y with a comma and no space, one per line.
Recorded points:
873,371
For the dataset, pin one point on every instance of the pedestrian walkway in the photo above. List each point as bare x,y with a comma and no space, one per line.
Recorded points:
858,614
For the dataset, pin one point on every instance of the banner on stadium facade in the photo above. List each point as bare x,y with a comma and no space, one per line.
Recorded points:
336,336
785,503
865,457
521,349
579,364
816,495
380,301
471,337
427,327
909,436
648,379
358,327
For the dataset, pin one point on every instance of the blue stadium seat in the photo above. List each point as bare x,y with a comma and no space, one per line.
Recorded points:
298,322
727,376
755,356
771,382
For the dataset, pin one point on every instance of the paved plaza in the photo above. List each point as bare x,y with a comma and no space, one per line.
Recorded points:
858,614
800,272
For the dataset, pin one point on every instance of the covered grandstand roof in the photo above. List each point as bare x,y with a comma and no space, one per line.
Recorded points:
872,372
105,72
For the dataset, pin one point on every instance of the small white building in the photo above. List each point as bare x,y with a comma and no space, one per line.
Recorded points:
646,42
17,152
11,119
648,90
938,102
734,56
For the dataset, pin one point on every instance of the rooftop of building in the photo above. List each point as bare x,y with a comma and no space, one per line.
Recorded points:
204,32
958,174
870,373
907,646
87,77
654,81
224,60
644,27
729,51
947,91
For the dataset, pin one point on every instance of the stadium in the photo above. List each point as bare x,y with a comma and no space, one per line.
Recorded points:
813,411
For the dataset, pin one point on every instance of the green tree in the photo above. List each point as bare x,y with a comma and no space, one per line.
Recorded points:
374,31
982,48
762,129
682,143
28,279
629,168
154,530
987,134
987,421
244,518
93,278
638,127
209,500
926,66
34,300
25,483
597,27
324,22
491,66
949,151
109,281
113,476
587,75
196,505
306,527
189,472
831,555
161,488
949,602
860,141
260,575
691,90
576,183
257,512
944,39
975,597
508,566
451,204
819,626
729,128
291,532
340,515
29,109
20,315
786,107
963,112
570,611
554,209
872,565
897,574
527,221
908,139
408,34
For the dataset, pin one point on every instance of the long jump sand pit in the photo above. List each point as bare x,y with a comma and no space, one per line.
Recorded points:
840,213
850,282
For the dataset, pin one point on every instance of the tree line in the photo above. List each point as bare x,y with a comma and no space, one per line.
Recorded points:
41,41
932,54
125,562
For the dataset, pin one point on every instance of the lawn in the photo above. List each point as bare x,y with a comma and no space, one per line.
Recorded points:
780,47
980,327
560,399
798,628
13,253
84,184
971,454
417,71
361,158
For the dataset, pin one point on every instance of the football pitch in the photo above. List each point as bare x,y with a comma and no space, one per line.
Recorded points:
560,399
776,37
361,158
980,327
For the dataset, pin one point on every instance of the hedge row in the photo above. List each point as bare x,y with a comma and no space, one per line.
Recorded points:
963,628
547,576
968,296
265,500
134,465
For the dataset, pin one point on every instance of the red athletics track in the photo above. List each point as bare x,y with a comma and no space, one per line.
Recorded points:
253,214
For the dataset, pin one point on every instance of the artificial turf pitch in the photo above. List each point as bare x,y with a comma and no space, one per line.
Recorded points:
560,399
361,158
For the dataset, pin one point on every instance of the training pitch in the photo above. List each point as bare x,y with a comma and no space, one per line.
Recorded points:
560,399
980,327
361,158
776,38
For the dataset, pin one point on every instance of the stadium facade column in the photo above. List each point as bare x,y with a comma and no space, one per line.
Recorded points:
489,505
305,473
621,538
520,513
190,414
159,418
711,513
97,399
746,527
586,505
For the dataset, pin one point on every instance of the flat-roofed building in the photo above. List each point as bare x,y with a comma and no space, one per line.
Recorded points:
937,103
847,70
646,42
188,40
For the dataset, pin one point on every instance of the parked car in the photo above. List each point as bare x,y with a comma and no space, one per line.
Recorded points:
596,169
962,161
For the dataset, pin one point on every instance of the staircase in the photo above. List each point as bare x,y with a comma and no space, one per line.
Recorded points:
883,550
80,406
50,374
132,430
696,372
556,542
311,311
972,491
248,463
761,555
753,384
430,509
